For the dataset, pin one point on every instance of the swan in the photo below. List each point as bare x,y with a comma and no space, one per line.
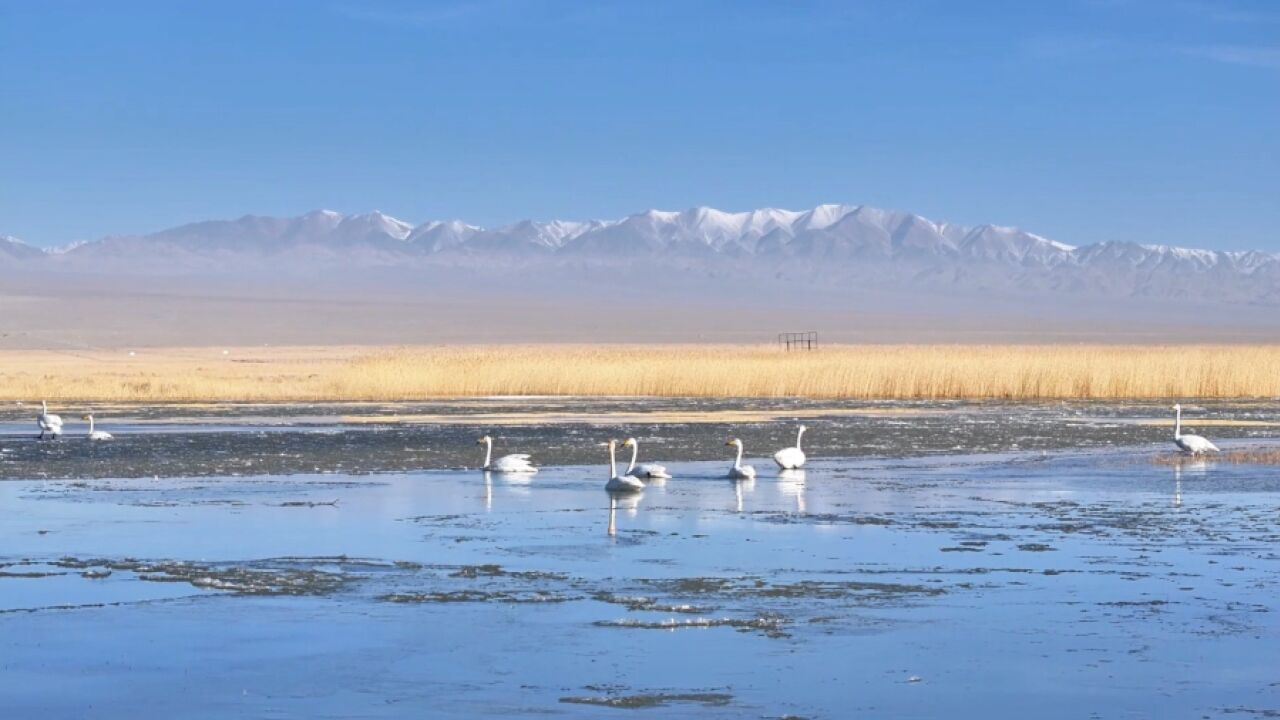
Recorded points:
643,470
96,434
514,463
1193,444
620,483
791,458
47,422
740,471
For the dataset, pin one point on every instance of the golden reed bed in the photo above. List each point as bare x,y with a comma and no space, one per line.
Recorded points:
857,372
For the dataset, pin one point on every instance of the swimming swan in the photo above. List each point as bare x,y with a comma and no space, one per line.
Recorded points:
1193,444
620,483
740,471
96,434
514,463
791,458
643,470
48,423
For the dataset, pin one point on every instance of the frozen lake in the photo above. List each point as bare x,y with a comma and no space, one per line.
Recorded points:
966,560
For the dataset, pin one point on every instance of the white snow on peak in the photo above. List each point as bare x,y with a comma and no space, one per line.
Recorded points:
377,220
660,215
824,216
1206,256
447,224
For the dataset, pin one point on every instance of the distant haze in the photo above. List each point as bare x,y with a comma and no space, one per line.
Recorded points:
854,273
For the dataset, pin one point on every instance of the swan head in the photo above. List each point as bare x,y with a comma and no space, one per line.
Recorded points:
1177,406
613,444
87,416
734,441
630,442
483,440
803,428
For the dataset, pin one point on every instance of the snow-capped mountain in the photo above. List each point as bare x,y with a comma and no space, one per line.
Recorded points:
830,243
11,248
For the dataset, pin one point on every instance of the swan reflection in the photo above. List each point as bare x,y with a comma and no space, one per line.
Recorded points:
629,502
791,483
740,487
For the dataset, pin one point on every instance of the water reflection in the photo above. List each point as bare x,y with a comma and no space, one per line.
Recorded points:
1177,486
791,482
630,502
746,485
1196,467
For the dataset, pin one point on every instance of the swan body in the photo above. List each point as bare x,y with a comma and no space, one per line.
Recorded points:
513,463
48,422
96,434
740,471
1194,444
643,470
620,483
791,458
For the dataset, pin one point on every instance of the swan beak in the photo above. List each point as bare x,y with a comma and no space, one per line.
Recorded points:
729,442
84,417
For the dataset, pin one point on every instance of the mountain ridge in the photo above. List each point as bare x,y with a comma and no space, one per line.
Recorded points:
832,242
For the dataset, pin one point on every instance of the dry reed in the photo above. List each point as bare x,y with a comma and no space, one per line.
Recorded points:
1020,372
1241,456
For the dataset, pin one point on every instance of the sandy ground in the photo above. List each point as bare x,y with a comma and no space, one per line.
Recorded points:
95,312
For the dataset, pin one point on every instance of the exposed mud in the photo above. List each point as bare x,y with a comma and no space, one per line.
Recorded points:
362,438
291,576
615,697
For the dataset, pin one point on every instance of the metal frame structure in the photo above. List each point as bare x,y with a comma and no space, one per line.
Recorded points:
798,340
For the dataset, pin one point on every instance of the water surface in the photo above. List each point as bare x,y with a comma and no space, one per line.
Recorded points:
971,561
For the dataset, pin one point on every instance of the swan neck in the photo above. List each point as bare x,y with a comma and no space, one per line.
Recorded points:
799,435
90,424
613,462
488,451
635,450
738,461
1177,425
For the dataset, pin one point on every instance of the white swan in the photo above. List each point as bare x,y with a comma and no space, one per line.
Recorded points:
643,470
514,463
740,471
96,434
47,422
791,458
620,483
1193,444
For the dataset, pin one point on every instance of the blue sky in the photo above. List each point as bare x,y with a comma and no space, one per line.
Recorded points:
1083,120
